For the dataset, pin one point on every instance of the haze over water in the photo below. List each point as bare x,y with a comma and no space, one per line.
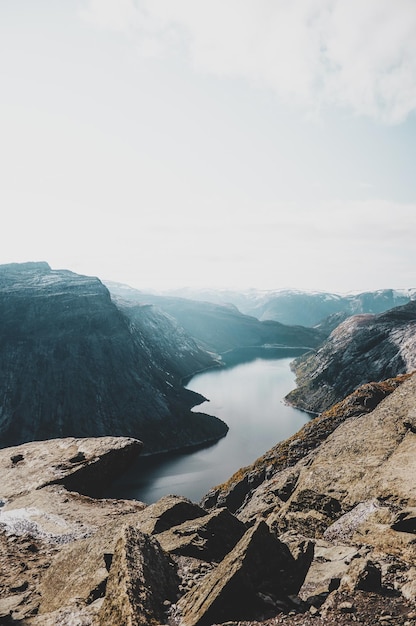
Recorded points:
249,398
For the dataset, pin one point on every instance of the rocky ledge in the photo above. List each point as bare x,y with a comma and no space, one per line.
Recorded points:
327,540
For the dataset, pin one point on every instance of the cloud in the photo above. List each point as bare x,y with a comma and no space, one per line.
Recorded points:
356,55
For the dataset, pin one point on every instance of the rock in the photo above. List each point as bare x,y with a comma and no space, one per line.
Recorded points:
346,607
78,574
141,583
410,421
191,571
330,563
167,512
11,604
366,457
208,538
344,528
408,589
259,563
302,551
362,574
52,462
405,521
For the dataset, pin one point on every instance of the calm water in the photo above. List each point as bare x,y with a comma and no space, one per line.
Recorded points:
249,398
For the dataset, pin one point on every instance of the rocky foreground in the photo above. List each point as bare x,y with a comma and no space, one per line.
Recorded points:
327,539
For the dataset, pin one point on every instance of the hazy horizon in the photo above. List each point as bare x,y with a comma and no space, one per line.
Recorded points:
235,144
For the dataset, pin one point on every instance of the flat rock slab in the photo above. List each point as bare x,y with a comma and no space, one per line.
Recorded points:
75,463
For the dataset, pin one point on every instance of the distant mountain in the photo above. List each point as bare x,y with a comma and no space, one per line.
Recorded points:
291,306
221,328
74,362
362,349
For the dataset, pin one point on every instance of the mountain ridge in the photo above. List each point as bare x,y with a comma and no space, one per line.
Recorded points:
361,349
74,363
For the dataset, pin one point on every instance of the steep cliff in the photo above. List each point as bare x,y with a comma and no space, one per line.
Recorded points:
364,348
73,362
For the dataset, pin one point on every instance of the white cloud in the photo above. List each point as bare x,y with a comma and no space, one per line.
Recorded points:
353,54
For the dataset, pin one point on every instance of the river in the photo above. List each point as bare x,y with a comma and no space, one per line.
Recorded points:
249,398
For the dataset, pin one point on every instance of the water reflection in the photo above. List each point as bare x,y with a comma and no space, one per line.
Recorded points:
249,398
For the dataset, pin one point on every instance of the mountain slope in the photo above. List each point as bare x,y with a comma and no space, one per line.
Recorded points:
364,348
291,306
75,363
220,328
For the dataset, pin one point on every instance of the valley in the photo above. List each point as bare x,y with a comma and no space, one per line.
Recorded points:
300,521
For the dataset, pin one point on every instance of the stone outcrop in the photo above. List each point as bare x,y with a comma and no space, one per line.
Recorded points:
362,349
75,362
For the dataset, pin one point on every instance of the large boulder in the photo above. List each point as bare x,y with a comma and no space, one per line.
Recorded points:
142,582
167,512
258,572
207,538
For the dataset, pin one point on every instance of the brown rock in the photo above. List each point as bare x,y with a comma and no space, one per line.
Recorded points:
409,588
208,538
259,564
363,574
79,572
82,465
405,521
329,565
167,512
142,578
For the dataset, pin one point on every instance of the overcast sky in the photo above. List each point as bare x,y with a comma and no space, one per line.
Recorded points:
239,143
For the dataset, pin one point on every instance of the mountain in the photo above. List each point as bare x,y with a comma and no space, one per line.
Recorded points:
222,328
74,362
361,349
291,306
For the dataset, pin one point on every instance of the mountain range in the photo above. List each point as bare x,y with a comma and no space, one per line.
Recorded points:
293,306
220,328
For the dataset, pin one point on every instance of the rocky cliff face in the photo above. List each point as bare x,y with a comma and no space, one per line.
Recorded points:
221,328
364,348
73,362
326,540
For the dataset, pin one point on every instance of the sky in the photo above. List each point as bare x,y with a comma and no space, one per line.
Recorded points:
225,143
